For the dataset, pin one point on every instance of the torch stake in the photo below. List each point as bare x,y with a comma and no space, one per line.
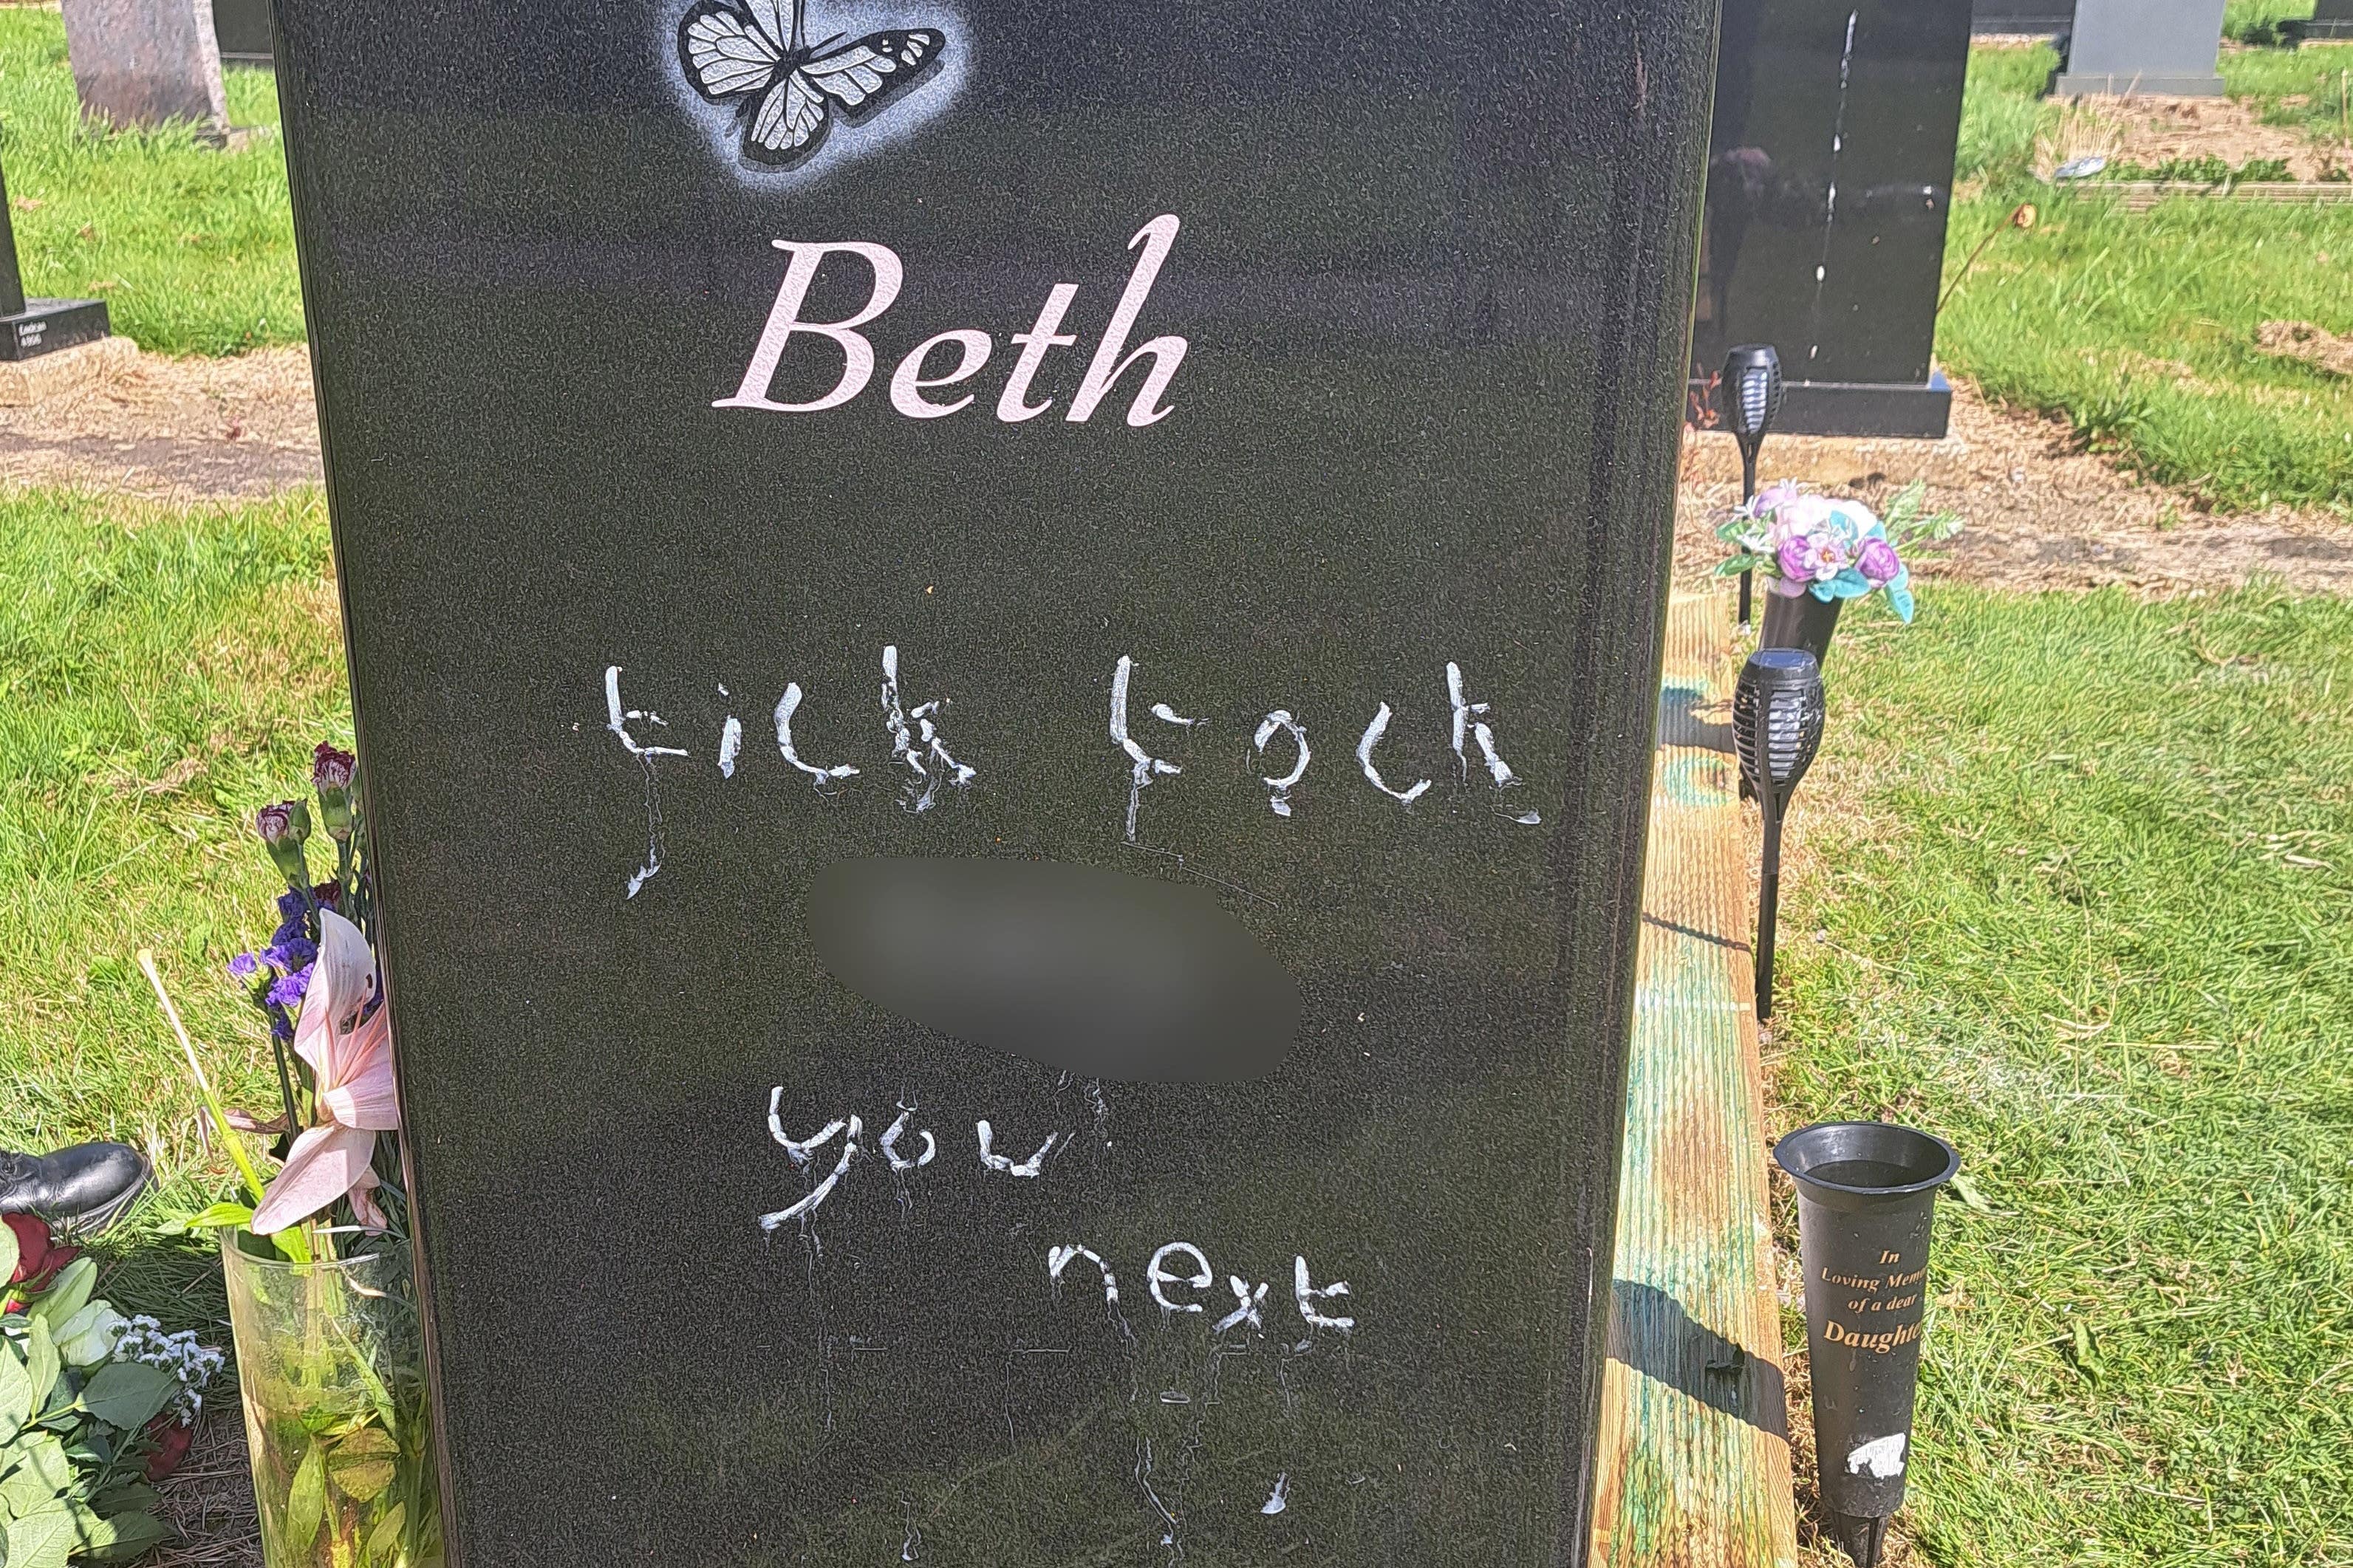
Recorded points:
1747,493
1768,902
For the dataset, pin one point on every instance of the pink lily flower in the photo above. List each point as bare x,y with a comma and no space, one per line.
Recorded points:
351,1065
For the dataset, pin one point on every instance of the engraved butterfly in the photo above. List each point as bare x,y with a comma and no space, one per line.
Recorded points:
754,51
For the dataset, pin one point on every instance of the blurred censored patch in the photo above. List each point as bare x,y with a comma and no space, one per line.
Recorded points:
1076,968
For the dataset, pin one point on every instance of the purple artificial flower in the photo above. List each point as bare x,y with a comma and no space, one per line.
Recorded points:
1878,562
289,990
1773,497
1799,558
244,967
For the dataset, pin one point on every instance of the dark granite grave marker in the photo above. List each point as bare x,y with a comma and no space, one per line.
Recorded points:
1213,465
1830,182
242,26
2331,20
31,328
2021,17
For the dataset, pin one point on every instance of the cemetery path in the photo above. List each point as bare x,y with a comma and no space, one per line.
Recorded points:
2040,512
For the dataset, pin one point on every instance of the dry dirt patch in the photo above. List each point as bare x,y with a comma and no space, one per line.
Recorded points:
174,429
2150,130
2040,512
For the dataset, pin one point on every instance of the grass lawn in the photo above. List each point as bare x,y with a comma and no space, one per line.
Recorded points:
2140,328
161,675
2081,899
192,248
2087,917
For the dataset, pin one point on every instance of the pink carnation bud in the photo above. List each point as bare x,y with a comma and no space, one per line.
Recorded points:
275,823
331,770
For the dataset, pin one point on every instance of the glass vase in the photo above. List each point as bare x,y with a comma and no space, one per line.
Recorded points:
330,1364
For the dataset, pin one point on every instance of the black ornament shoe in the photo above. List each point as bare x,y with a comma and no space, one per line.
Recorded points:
80,1190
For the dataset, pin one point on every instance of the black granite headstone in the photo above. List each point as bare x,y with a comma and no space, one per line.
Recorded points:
2331,19
2021,17
1212,465
1830,182
31,328
242,27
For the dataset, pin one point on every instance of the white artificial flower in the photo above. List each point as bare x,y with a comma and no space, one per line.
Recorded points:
87,1337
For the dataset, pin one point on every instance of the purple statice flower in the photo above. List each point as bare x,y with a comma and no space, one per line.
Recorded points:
288,956
289,990
244,968
280,1026
292,906
1878,562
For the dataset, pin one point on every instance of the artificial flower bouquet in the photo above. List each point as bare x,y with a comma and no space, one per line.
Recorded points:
316,1254
1832,549
93,1406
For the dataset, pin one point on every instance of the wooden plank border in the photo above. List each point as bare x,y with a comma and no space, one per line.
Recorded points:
1694,1453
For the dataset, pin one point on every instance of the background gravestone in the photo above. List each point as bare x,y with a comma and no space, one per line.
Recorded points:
242,29
2165,48
2330,19
145,62
2022,16
1830,183
1291,559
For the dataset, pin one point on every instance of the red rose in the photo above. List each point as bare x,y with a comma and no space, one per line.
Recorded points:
51,1266
168,1443
32,1245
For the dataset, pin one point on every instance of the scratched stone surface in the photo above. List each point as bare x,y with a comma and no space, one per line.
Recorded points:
975,467
1830,183
146,62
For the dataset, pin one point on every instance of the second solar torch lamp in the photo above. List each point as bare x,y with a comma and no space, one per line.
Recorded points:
1777,727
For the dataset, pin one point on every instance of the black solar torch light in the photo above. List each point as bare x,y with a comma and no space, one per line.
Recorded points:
1749,397
1777,725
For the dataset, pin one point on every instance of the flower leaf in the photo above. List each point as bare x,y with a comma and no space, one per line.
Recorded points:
67,1294
383,1541
41,1475
129,1394
122,1536
10,1252
221,1213
42,1539
306,1500
16,1395
42,1362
